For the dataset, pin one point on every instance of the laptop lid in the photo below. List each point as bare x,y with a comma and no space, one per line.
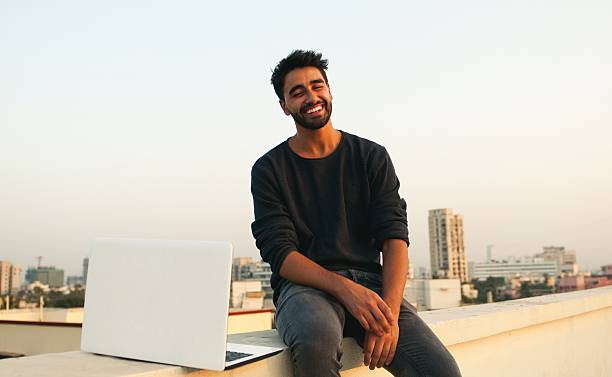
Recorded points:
158,300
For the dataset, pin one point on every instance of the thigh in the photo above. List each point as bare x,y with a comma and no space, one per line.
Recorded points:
306,314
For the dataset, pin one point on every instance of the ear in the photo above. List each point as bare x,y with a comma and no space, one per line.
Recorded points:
283,106
329,90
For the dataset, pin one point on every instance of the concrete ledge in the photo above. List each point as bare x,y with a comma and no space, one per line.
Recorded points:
35,338
467,323
457,326
73,364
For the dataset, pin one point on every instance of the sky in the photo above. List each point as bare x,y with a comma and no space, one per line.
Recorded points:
143,119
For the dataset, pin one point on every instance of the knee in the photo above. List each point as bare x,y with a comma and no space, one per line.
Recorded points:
440,367
311,325
443,366
448,368
316,351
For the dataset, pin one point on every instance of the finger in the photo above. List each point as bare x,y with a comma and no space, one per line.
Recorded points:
378,322
364,323
368,347
376,353
381,322
386,310
391,352
384,354
374,326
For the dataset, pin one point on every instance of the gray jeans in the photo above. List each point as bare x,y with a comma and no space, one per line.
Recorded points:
312,323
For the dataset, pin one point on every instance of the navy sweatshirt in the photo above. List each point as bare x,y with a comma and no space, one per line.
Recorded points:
336,210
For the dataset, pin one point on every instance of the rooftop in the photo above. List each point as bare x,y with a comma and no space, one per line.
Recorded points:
555,335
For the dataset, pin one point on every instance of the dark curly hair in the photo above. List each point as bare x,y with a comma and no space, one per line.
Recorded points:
296,59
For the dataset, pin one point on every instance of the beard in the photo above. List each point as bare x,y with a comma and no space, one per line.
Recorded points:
313,124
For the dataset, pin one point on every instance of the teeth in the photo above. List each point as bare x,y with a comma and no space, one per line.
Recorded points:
314,109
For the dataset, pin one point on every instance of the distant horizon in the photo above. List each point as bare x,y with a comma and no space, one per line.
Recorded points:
415,267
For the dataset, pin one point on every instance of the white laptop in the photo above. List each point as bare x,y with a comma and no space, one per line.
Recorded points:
162,301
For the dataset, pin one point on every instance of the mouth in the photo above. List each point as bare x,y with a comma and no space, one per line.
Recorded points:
313,110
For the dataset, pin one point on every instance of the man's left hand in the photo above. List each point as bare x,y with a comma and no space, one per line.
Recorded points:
379,350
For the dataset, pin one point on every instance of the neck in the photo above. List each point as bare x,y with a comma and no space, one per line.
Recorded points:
315,143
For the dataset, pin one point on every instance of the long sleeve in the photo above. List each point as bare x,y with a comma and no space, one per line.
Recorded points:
273,229
336,211
388,218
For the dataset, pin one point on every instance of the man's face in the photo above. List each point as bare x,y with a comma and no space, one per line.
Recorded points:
307,98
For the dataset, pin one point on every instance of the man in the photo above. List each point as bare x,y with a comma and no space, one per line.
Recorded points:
326,205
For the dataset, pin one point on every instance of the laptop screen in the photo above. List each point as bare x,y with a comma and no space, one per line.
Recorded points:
158,300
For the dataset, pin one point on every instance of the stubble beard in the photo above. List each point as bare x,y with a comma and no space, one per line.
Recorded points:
313,124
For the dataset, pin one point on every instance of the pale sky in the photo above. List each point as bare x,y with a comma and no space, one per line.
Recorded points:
144,120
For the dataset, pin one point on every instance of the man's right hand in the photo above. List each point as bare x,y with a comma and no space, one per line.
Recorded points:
366,306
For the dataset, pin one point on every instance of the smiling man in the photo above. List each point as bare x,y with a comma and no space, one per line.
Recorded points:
326,206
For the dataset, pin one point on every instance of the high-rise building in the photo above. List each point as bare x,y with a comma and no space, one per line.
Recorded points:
446,245
565,259
5,273
241,268
46,275
490,253
15,280
10,278
263,272
85,269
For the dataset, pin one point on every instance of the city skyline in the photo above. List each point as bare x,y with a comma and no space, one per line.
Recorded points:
145,123
489,257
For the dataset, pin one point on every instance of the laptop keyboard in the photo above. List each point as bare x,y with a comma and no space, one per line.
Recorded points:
231,356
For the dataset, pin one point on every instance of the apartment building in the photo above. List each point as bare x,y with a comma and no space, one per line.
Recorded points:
447,245
10,278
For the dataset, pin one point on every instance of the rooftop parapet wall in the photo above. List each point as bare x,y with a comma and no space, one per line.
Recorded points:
556,335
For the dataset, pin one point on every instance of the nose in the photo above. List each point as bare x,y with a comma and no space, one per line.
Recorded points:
310,96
